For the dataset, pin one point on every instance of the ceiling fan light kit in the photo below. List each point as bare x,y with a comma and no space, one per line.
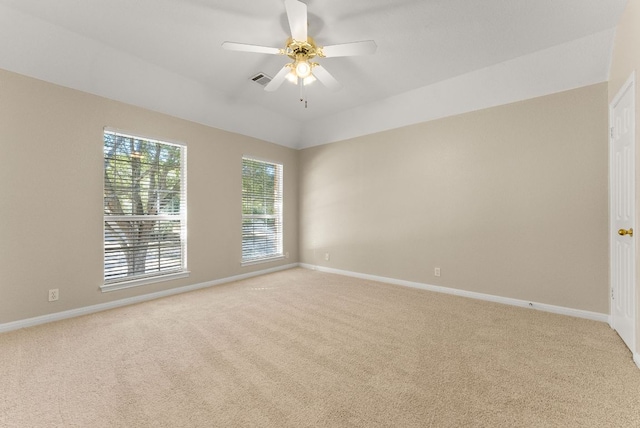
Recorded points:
303,69
301,48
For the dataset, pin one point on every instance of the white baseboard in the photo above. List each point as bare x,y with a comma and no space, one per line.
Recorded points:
30,322
595,316
636,359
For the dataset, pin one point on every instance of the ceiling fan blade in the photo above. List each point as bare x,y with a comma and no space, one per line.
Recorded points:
242,47
326,78
366,47
278,79
297,14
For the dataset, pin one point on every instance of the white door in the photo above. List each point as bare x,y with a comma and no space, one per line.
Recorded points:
622,211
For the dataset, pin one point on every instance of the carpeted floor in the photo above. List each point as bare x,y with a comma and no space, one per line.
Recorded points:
301,348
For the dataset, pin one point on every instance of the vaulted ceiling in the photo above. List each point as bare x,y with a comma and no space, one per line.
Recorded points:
435,57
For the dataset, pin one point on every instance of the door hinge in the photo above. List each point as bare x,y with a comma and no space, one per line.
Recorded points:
611,132
612,298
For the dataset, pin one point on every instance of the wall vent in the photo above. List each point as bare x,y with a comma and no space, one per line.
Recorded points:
261,78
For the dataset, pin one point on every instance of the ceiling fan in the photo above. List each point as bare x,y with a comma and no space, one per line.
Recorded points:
301,49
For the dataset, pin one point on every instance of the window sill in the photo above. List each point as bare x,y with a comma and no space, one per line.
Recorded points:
143,281
265,260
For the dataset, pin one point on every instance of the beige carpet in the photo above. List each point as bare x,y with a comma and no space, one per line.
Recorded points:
306,349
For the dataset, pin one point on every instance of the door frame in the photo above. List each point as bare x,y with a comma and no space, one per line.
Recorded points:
629,85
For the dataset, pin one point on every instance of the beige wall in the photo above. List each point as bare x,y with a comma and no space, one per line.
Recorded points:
626,60
509,201
51,202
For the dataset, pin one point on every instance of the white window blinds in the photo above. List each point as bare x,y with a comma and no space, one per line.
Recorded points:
261,210
144,208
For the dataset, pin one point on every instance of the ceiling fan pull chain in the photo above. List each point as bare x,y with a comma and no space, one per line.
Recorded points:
303,92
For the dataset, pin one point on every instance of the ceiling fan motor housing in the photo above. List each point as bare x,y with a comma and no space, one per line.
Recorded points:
296,49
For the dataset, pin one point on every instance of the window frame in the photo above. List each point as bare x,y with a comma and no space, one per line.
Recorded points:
278,216
161,275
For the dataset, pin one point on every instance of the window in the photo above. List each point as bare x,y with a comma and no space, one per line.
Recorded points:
261,210
144,210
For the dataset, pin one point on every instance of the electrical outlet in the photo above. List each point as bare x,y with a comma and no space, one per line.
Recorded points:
286,255
326,256
54,293
436,271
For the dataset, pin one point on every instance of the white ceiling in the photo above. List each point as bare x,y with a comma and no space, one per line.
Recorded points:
435,57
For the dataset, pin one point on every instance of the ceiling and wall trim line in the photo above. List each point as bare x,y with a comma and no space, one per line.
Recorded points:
556,69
